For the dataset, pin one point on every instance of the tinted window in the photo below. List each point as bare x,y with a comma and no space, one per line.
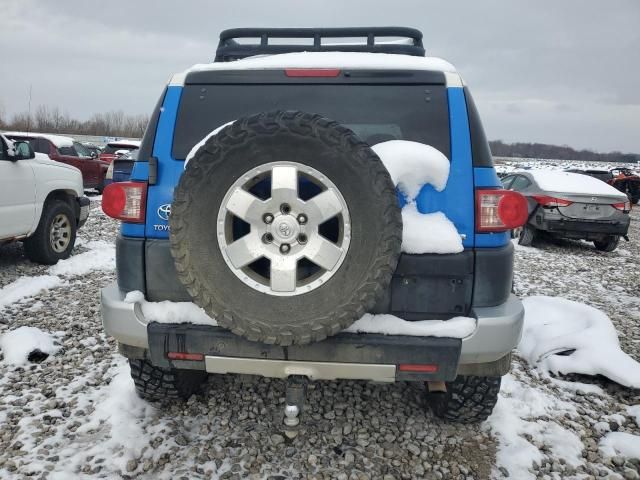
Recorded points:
506,182
520,183
376,113
479,145
70,151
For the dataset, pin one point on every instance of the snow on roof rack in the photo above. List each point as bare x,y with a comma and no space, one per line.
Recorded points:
229,49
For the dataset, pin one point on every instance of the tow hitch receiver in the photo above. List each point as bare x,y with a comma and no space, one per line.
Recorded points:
294,403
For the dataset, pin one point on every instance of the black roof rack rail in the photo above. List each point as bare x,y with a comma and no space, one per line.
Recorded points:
229,49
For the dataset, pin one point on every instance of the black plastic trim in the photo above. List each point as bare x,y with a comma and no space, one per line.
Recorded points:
347,76
149,137
479,144
343,347
493,276
130,264
428,286
229,49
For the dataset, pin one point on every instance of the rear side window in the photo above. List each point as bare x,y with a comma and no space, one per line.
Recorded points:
520,183
70,151
115,148
376,113
479,145
506,182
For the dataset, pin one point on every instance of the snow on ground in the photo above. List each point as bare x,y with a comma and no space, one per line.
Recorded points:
459,327
101,255
507,164
522,425
26,287
16,345
621,443
562,336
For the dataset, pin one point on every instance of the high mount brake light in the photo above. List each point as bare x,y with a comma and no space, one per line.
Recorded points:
500,210
551,202
125,201
312,72
624,206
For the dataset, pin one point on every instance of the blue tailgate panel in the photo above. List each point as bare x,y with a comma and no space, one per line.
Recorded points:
457,199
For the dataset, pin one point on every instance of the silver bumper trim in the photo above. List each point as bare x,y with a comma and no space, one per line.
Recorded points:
497,333
312,370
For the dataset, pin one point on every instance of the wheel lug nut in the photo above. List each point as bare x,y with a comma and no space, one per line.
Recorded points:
284,248
302,238
285,208
267,238
267,218
302,219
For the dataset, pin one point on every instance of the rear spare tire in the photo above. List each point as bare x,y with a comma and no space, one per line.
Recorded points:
285,227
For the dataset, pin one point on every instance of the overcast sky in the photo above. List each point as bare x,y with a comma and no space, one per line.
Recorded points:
563,72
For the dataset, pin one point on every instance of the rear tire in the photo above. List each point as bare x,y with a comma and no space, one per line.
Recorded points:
527,236
607,245
157,384
467,399
55,236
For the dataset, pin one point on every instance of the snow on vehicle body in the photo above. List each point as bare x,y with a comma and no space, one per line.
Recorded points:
571,205
381,93
41,202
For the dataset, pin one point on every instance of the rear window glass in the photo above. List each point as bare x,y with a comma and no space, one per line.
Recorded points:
115,148
376,113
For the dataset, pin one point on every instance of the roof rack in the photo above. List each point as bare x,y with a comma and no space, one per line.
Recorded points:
229,49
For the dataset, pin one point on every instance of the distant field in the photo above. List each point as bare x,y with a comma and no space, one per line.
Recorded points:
509,164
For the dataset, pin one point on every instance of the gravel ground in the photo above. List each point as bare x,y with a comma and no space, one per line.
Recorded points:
75,414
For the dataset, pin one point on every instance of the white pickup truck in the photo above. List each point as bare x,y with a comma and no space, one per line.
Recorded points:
42,202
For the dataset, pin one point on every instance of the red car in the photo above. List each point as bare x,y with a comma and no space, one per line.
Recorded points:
109,152
67,150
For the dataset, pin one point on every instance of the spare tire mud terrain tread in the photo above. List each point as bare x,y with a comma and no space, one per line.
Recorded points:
360,177
158,384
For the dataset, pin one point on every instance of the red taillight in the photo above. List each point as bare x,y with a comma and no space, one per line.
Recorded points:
624,206
312,72
194,357
551,202
125,201
500,210
418,368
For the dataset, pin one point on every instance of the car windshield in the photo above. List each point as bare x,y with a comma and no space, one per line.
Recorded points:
376,113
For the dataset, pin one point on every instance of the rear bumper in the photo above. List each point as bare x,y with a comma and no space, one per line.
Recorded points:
586,228
371,357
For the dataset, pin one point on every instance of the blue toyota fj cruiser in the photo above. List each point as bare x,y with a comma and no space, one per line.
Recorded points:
285,227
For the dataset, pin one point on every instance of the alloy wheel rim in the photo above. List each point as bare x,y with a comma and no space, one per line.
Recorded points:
272,234
60,233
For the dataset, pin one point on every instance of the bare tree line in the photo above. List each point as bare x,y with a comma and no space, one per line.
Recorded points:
50,119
